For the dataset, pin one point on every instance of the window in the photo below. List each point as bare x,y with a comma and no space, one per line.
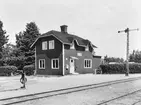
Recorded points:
87,48
87,63
41,63
51,44
44,45
55,63
72,46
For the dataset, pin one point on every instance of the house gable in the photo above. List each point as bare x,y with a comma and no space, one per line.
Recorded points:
55,52
65,38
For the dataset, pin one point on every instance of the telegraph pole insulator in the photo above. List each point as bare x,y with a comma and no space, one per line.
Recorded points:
127,30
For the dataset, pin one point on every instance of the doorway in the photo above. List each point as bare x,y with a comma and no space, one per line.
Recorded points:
72,66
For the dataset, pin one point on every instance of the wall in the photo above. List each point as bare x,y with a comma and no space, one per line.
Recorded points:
48,55
80,61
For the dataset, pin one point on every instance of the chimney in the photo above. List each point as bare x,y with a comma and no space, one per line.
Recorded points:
64,28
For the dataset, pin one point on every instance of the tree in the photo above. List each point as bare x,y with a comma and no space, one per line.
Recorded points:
3,38
113,59
135,56
8,50
25,39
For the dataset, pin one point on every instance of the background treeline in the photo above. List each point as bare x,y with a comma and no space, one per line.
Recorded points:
119,67
19,56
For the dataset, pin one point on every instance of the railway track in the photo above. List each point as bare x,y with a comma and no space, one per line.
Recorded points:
119,97
30,97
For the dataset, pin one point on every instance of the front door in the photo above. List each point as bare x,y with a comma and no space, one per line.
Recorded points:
72,66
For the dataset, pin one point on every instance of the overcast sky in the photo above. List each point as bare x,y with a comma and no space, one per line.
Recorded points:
96,20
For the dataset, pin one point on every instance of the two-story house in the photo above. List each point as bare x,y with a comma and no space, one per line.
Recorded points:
61,53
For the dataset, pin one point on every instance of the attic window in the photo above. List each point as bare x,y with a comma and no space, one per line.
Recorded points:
51,44
87,48
72,46
44,45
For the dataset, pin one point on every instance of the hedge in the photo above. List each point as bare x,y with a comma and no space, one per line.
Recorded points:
19,62
15,61
7,70
29,69
120,68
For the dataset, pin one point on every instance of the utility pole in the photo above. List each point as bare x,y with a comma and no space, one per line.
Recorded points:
127,30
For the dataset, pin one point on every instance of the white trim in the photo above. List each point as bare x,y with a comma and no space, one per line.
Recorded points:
90,63
78,43
51,44
72,46
52,63
35,62
73,57
34,42
44,45
63,54
44,64
87,48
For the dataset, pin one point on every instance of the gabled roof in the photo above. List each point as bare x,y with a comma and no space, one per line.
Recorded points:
65,38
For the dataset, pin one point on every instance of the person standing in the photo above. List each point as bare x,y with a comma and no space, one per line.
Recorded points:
23,79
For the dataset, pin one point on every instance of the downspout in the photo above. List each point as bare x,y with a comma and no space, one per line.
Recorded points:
63,54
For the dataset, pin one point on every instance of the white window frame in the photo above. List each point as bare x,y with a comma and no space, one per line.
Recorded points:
72,46
88,65
51,44
41,64
87,48
56,59
44,45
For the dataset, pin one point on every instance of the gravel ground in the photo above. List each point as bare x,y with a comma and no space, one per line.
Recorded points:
95,96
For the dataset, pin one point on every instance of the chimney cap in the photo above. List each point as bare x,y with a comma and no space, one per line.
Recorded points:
64,28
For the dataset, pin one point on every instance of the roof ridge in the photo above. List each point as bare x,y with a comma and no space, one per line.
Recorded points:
65,37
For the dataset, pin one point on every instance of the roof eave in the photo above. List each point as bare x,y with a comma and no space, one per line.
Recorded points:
47,36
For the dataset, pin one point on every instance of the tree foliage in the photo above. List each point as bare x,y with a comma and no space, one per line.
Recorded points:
25,39
3,38
135,56
8,50
113,59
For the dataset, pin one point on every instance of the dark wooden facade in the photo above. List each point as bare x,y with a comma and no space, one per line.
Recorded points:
48,55
71,52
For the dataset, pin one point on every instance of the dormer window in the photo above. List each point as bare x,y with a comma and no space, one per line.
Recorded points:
87,48
51,44
44,45
72,46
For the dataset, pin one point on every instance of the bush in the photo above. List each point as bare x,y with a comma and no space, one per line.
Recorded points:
30,60
135,68
120,68
7,70
19,62
1,62
29,69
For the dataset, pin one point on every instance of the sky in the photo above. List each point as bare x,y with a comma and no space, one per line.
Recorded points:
96,20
